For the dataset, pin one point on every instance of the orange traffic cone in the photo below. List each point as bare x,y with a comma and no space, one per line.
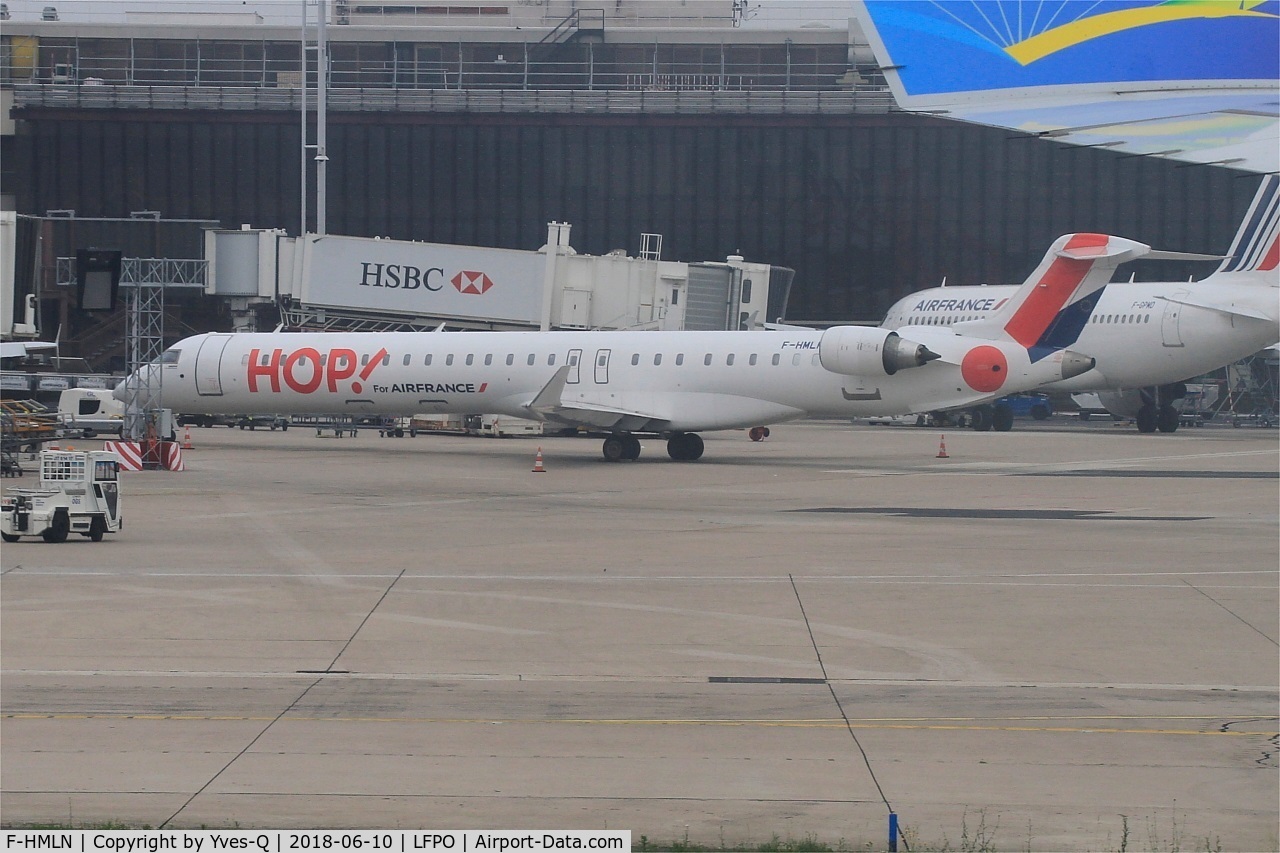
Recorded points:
186,438
942,447
537,463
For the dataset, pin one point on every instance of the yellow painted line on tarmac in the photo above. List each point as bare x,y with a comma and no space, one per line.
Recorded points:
913,724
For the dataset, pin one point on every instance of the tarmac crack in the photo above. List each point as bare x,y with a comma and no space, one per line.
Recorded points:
1237,616
237,756
839,707
287,709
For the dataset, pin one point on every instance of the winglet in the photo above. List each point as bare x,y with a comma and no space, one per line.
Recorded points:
548,399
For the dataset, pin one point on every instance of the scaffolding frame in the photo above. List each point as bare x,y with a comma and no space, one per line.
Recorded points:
144,282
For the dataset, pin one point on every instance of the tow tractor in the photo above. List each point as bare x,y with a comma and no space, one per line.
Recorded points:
79,493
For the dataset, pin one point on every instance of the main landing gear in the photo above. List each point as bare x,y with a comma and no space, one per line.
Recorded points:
621,448
1152,417
986,417
681,446
685,446
1157,411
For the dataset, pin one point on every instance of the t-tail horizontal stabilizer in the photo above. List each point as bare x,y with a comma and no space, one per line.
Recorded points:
1048,312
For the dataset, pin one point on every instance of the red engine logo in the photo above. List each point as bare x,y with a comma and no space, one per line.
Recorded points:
470,281
984,369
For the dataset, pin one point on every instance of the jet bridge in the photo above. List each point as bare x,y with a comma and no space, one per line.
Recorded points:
373,284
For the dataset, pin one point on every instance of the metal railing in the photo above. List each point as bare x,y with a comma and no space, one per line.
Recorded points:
860,100
157,272
277,65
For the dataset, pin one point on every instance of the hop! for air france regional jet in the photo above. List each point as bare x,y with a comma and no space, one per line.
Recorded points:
1147,338
671,384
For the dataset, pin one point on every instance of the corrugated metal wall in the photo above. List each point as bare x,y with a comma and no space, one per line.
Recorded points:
865,208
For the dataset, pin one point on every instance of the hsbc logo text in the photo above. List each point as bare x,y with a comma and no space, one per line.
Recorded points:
401,277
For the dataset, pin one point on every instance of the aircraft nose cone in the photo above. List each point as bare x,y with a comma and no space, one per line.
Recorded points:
121,391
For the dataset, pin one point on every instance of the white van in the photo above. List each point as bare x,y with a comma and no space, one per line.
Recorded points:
90,411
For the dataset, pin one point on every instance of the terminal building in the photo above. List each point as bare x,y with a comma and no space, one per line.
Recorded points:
141,127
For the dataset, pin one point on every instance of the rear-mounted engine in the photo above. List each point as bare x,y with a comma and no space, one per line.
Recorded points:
869,351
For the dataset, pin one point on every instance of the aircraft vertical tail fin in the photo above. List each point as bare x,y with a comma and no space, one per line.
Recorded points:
1257,243
1049,311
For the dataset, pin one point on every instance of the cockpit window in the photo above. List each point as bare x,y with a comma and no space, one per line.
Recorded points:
170,356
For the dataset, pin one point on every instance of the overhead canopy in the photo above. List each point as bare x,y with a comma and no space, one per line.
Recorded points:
1194,80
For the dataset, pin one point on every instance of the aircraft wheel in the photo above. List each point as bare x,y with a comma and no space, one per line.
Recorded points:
1147,418
57,532
757,433
614,449
981,418
1167,419
1002,418
631,449
685,447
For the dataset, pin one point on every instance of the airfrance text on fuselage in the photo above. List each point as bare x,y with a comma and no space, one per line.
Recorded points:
955,304
430,388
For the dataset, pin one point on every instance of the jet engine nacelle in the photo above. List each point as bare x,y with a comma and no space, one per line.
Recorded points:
869,351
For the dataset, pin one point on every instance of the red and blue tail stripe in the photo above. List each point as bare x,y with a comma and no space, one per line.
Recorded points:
1047,321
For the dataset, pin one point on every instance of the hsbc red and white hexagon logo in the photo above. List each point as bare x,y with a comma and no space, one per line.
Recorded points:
471,281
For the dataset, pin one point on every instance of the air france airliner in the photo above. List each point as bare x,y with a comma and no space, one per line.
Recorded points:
1147,338
623,384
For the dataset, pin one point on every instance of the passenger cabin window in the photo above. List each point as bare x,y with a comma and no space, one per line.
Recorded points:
707,360
532,357
407,358
752,361
728,359
448,360
488,359
657,359
777,359
386,359
426,360
471,359
551,360
511,359
679,359
795,360
635,359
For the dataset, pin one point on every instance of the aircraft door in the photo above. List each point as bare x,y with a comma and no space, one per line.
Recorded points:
575,358
208,365
602,367
1170,331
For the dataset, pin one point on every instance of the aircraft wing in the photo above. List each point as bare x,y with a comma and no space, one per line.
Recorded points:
1197,81
549,405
